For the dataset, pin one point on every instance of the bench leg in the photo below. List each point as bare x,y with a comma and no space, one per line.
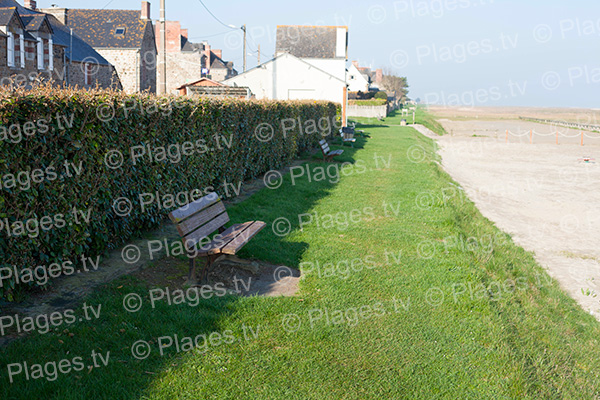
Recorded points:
209,260
192,273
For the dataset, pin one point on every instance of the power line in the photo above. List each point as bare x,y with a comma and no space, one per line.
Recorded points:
213,15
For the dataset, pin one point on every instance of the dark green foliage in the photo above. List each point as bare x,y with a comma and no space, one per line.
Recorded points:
166,123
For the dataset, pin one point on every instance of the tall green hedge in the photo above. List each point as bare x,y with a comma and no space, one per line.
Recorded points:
33,139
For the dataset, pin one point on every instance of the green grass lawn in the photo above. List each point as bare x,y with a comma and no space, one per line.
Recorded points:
407,293
428,120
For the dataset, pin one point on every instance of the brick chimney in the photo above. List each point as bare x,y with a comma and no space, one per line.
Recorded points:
218,53
355,63
378,75
145,10
184,33
31,4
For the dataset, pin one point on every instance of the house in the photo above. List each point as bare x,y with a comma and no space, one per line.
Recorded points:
67,59
309,63
356,80
357,76
124,38
287,77
28,51
187,62
325,47
208,88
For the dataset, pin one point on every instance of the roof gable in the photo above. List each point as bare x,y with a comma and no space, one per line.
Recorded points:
36,22
98,27
281,56
8,16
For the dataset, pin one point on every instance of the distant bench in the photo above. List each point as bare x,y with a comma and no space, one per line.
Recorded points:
327,153
199,219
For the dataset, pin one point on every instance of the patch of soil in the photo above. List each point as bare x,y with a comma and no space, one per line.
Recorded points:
243,277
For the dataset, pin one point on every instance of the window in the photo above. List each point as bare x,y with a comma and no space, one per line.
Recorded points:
50,55
22,49
10,59
88,73
120,31
40,52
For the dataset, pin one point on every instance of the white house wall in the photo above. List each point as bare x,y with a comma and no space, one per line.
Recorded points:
335,67
288,78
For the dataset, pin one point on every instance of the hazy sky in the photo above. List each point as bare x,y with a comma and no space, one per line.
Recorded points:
482,52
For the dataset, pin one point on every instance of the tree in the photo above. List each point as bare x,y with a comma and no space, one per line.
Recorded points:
394,83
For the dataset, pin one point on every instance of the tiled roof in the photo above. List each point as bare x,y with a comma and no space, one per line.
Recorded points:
307,41
97,27
187,46
5,15
20,9
80,51
33,22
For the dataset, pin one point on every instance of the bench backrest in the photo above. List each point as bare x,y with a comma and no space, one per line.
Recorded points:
198,219
324,146
347,133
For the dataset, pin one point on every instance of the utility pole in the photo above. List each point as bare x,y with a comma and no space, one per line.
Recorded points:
244,29
259,54
162,84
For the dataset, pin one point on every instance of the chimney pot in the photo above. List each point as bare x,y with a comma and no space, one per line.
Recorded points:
31,4
145,10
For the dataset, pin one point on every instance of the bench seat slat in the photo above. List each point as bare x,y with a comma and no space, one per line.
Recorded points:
201,218
198,235
221,240
238,242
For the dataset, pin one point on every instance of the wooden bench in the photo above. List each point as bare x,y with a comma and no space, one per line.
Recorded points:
358,131
347,135
195,223
328,154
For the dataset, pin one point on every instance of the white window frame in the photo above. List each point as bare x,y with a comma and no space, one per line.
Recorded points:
10,50
22,49
40,52
50,55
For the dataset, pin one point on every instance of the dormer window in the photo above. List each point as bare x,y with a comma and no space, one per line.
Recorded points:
120,31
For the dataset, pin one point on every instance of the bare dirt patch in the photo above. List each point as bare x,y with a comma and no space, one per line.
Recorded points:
238,276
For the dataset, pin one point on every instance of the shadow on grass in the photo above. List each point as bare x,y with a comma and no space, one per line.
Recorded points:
175,321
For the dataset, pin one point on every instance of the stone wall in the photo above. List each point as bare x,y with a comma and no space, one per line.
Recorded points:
136,68
24,76
127,65
367,111
183,68
103,76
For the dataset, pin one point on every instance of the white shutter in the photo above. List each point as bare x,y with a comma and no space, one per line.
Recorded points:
22,48
40,53
51,57
10,50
